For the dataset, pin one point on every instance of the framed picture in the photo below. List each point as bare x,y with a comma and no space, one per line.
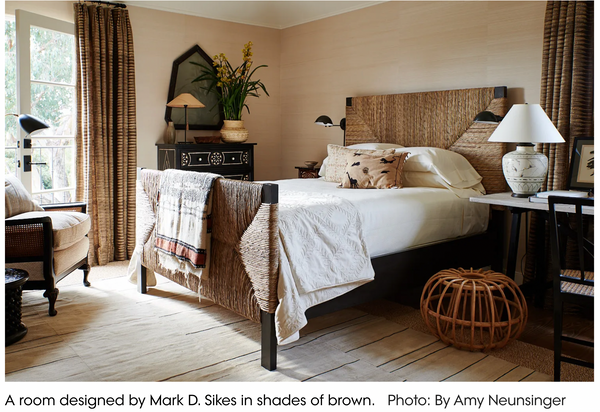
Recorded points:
581,172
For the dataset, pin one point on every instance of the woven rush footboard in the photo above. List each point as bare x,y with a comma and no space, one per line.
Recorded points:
244,254
244,251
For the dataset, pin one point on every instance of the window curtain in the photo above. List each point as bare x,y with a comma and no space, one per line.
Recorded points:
106,128
567,91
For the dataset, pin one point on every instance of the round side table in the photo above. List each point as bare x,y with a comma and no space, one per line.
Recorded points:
14,329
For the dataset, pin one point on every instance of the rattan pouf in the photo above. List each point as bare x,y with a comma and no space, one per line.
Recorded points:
473,309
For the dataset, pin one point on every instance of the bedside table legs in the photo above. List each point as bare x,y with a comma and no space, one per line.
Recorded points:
538,286
513,246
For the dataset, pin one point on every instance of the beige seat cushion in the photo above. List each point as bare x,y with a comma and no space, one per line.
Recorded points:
67,227
66,258
63,260
16,198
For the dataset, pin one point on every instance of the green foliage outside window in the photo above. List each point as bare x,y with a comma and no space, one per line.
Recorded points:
52,61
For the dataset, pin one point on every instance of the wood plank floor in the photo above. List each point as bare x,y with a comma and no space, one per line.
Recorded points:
109,332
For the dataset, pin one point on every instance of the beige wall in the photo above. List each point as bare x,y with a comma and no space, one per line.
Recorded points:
393,47
399,47
159,38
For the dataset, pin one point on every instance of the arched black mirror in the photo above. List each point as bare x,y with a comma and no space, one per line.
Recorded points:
182,74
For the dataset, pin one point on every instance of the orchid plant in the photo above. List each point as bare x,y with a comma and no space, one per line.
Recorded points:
232,85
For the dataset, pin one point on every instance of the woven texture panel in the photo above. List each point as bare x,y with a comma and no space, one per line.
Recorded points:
437,119
24,241
244,254
242,284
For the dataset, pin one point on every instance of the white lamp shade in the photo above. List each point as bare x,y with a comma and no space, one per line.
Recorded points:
526,123
185,99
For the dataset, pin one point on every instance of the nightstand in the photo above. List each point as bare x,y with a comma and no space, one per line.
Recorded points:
231,160
307,173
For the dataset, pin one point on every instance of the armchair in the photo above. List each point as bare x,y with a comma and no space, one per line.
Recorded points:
49,243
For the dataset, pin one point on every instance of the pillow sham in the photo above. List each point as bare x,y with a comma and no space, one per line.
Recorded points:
375,146
365,171
452,167
17,199
428,179
336,160
323,168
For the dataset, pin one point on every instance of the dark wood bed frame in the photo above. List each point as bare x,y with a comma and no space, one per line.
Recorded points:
401,276
439,119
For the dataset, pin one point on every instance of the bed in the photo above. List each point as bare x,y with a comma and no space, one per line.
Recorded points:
246,258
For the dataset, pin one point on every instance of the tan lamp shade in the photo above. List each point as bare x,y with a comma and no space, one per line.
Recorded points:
185,100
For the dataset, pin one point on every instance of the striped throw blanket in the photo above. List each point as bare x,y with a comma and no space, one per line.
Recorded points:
183,220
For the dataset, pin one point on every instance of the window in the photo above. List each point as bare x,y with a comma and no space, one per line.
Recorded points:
11,134
44,86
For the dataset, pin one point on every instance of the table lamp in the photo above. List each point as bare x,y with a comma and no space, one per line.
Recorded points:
525,169
185,100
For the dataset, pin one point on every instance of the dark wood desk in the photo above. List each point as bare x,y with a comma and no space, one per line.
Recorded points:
517,206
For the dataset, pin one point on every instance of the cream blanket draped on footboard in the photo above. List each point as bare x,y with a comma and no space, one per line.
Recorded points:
182,220
323,255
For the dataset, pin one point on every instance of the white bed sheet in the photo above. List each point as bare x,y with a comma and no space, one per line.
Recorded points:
392,221
399,219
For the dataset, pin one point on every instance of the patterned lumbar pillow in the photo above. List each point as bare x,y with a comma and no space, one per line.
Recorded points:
365,171
336,160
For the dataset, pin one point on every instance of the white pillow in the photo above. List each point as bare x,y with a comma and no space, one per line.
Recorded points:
17,199
367,146
428,179
323,167
376,146
452,167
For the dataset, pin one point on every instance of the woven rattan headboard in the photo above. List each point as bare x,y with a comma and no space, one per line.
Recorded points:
439,119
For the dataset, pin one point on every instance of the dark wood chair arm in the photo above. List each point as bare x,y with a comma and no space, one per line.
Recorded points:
66,207
27,239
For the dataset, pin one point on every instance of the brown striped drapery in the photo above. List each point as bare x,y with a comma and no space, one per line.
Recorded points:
567,89
106,128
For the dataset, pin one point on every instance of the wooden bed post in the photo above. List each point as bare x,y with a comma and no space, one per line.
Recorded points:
268,339
141,279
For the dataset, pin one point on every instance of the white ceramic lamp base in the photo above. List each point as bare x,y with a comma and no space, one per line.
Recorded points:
525,170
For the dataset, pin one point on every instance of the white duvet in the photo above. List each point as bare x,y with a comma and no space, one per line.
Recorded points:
391,221
323,254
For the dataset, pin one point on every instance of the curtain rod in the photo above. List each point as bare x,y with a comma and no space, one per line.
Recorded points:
108,3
